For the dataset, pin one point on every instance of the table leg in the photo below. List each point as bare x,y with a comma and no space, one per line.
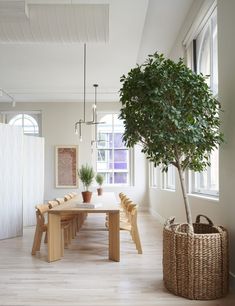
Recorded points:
114,239
54,237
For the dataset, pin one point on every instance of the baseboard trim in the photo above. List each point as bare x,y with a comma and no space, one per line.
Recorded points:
157,216
143,209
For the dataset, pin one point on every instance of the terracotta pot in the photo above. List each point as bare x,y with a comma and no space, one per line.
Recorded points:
100,191
86,195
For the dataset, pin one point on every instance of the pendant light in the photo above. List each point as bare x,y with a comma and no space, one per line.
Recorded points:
78,124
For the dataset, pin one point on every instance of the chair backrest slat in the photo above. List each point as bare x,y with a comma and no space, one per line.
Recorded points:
52,204
60,200
67,197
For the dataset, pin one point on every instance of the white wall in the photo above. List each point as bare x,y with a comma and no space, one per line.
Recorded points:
58,129
222,212
226,51
177,50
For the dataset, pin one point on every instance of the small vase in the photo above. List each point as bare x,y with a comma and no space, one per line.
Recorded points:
100,191
86,195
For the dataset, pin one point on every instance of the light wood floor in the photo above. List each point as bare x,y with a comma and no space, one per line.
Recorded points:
85,276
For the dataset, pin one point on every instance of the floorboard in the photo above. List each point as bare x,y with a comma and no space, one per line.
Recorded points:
85,276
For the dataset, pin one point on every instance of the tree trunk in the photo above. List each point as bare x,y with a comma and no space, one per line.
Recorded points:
185,196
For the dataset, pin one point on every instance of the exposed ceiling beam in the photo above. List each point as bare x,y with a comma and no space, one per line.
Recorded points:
13,9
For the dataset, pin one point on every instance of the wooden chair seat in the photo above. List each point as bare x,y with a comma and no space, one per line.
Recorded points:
125,226
123,217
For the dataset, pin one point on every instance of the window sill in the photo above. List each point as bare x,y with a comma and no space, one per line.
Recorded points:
118,186
204,197
167,189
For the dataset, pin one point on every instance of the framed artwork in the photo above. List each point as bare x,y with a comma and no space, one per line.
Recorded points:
66,165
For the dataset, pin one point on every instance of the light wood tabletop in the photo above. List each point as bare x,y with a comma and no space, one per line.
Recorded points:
107,203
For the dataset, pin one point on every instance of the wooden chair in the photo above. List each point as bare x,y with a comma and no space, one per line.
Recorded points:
75,221
41,227
79,219
121,195
128,222
125,201
131,226
124,216
124,213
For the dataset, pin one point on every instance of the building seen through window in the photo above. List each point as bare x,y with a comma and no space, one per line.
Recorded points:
112,154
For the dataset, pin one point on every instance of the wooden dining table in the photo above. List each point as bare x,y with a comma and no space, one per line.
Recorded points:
106,204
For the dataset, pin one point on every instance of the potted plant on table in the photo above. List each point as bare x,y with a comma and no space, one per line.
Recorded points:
86,175
171,111
99,180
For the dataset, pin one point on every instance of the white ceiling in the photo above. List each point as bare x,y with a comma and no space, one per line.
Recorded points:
53,71
62,23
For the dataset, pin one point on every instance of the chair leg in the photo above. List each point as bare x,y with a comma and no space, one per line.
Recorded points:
45,239
66,237
37,240
71,236
74,227
80,220
136,239
62,242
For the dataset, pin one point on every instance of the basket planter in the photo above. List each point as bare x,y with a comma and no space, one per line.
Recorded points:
195,259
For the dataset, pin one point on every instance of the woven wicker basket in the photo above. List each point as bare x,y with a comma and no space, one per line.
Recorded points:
195,259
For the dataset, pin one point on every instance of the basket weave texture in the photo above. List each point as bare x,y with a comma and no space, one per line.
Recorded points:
195,259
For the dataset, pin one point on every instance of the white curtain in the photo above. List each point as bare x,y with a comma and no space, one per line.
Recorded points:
11,181
33,177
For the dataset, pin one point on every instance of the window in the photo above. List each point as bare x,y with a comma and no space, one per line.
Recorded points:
112,155
207,182
207,53
30,121
205,60
155,176
169,178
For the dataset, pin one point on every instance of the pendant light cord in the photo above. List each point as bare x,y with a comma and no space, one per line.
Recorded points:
84,86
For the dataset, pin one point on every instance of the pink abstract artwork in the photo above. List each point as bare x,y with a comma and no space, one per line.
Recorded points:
66,167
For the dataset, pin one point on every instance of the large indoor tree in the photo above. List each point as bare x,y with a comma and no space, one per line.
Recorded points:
171,111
